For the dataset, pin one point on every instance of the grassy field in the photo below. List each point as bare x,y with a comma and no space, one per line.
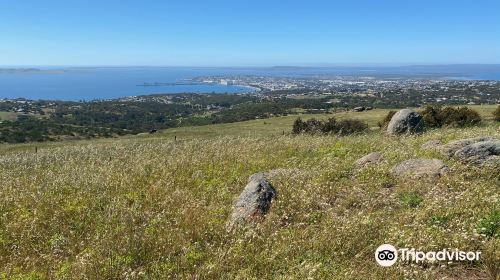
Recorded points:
266,127
148,207
8,116
276,126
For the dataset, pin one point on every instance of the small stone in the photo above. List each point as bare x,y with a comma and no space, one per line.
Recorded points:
418,168
253,203
431,145
369,159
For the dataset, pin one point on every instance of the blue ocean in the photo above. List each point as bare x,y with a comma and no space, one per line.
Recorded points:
91,83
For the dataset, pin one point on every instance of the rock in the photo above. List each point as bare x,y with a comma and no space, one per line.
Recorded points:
406,121
483,152
369,159
418,168
493,161
451,148
358,109
258,177
432,144
254,202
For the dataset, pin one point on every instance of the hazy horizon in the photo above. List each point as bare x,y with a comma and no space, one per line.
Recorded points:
261,66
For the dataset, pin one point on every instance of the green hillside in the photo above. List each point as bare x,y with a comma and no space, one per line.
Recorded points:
151,207
276,126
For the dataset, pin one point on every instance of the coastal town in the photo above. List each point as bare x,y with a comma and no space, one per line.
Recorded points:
360,85
338,91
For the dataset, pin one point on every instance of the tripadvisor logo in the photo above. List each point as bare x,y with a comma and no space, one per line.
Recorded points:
387,255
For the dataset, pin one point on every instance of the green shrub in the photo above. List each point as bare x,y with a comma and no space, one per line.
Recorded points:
331,126
460,117
349,126
311,126
496,114
314,126
298,126
385,122
439,221
490,225
435,116
411,199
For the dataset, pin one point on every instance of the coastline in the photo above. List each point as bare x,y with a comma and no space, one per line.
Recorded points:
75,84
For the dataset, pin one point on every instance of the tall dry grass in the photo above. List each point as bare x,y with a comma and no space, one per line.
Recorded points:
155,209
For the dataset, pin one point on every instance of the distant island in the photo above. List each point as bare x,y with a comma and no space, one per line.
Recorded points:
30,71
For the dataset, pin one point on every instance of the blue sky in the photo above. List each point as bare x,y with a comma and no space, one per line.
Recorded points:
248,33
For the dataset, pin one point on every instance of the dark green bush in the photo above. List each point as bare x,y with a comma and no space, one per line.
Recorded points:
460,117
385,122
432,116
314,126
496,114
331,126
349,126
311,126
298,126
435,116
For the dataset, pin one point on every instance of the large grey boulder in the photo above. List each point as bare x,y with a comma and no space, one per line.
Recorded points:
253,203
418,168
451,148
369,159
406,121
483,152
